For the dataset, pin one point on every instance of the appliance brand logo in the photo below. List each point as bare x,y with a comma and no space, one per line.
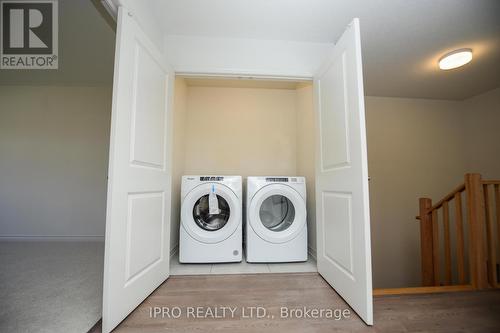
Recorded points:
29,34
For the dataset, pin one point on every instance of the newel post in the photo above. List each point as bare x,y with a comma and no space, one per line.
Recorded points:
476,221
426,242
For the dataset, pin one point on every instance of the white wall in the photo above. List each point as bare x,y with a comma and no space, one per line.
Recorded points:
54,155
244,56
146,18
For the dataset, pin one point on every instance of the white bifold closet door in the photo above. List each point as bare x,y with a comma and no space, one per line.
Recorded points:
342,203
138,207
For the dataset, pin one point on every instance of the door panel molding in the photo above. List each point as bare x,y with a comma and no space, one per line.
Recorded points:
342,205
137,245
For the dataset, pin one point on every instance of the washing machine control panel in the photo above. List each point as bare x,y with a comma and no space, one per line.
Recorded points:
205,178
211,178
283,179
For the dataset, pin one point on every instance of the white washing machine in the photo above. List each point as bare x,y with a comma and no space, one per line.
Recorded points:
211,226
276,219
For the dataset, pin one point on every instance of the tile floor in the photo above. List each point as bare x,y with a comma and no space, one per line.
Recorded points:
243,267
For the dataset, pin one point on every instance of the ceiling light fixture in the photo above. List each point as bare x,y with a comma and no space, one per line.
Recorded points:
455,59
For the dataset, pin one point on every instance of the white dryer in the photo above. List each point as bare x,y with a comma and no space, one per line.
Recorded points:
276,219
206,235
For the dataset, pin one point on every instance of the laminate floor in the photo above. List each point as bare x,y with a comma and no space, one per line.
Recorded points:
198,302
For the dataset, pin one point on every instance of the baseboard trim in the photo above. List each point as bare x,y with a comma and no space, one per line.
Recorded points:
421,290
52,238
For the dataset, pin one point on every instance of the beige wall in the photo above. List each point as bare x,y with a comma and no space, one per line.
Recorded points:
421,148
53,160
249,129
306,156
178,154
414,150
240,131
482,134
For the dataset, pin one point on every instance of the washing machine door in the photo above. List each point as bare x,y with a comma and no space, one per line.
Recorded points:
203,226
277,213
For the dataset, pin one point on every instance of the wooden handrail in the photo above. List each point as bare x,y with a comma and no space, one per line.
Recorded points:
481,208
491,182
448,197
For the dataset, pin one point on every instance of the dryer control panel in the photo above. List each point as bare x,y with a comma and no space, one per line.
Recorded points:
277,179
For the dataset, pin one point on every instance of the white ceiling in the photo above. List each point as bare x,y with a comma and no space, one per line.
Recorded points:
401,39
86,50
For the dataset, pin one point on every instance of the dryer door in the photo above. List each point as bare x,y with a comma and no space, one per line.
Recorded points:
277,213
203,226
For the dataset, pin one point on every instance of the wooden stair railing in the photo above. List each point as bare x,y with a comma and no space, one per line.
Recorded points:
492,215
475,259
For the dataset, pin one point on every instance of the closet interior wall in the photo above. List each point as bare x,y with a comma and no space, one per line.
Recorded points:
243,127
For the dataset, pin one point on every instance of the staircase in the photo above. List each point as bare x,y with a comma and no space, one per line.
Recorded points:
460,236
